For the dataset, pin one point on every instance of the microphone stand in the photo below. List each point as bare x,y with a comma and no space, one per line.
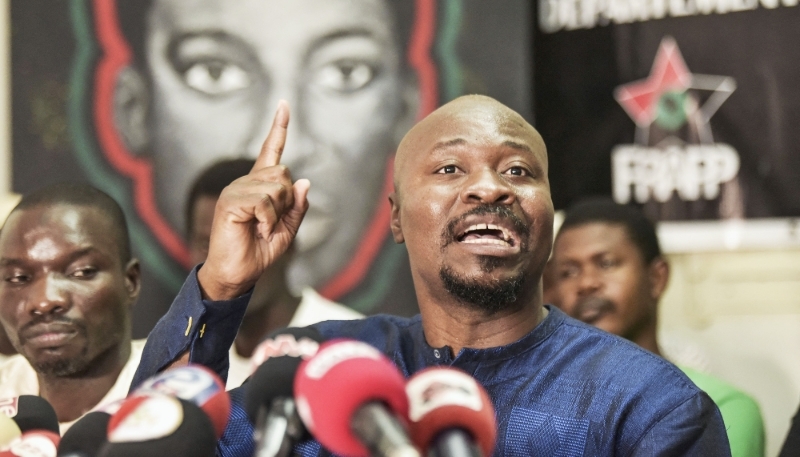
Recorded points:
280,427
453,443
381,432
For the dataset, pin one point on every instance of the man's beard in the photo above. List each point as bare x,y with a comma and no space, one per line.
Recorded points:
65,366
498,295
492,298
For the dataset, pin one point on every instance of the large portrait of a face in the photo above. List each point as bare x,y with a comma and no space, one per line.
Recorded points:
154,92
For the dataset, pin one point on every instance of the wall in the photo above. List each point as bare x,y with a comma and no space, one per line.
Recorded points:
7,199
736,314
5,105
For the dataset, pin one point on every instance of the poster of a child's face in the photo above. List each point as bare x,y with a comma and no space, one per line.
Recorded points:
154,92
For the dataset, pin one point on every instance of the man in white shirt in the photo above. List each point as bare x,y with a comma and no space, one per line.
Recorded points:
67,284
7,202
273,305
6,348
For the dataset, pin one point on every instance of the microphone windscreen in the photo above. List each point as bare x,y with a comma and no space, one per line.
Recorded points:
331,386
443,398
86,436
159,425
33,443
30,412
278,357
196,384
8,430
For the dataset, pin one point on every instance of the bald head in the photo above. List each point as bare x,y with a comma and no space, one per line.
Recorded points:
472,204
465,120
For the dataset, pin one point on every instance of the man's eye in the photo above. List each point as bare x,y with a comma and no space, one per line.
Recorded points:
607,263
447,169
518,171
345,76
568,273
84,273
17,278
216,77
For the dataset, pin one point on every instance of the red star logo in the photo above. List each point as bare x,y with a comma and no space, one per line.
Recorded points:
669,73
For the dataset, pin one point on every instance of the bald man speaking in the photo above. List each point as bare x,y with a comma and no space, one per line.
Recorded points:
472,204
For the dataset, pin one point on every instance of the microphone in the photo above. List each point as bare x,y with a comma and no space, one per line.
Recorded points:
33,443
451,414
88,434
8,430
31,412
269,395
159,425
353,400
194,383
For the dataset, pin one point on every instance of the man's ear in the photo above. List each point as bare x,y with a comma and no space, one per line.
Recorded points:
397,230
131,109
659,277
410,109
133,279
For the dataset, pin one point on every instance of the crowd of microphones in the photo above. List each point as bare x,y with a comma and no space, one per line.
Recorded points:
344,393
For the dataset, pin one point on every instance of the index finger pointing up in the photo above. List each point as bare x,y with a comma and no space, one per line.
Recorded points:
272,148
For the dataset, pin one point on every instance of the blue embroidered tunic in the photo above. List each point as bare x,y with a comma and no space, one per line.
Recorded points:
565,389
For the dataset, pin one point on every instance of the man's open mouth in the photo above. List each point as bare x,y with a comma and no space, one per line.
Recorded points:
487,234
488,229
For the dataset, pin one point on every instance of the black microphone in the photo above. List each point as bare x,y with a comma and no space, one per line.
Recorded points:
85,437
31,412
269,396
159,425
88,434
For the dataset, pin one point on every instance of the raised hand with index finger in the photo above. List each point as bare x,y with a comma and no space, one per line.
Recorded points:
255,219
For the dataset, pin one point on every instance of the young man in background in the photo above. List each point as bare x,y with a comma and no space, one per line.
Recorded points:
607,270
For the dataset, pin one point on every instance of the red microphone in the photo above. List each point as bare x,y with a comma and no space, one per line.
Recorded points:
196,384
451,414
33,443
352,399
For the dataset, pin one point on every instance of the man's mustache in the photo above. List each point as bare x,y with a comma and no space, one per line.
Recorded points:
593,304
78,324
519,226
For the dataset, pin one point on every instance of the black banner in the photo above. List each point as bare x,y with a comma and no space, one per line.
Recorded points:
687,107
